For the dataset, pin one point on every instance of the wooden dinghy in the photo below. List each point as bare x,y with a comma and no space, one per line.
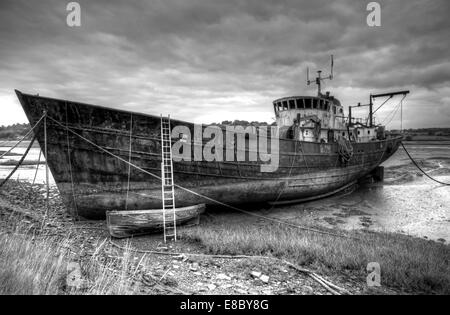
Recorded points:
122,224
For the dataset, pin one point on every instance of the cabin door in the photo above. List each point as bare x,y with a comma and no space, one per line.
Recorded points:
330,136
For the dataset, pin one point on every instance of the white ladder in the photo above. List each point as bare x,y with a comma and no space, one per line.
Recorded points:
167,189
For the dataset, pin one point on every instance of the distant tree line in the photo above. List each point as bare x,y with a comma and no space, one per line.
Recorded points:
426,134
13,132
429,131
243,123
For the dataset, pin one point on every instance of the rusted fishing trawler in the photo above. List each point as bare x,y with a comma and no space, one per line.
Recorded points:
320,152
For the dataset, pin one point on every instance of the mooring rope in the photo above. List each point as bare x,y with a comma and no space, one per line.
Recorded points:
70,164
200,195
47,199
37,167
420,169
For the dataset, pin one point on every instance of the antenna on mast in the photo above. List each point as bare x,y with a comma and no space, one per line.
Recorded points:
308,82
319,77
332,65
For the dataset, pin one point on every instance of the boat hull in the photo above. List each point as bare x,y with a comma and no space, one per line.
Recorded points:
122,224
92,181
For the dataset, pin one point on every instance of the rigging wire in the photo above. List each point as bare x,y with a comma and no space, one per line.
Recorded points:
393,112
382,104
401,115
373,113
390,116
129,161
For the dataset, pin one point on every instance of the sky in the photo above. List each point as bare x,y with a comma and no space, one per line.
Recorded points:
212,60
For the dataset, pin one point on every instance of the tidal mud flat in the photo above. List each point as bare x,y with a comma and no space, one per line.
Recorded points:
406,203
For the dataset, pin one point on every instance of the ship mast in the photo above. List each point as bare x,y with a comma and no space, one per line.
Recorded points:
319,78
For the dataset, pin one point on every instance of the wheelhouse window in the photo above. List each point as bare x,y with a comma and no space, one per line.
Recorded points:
285,105
308,104
300,103
315,105
291,104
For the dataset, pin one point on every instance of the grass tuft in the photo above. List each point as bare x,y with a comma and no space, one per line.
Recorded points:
44,267
407,263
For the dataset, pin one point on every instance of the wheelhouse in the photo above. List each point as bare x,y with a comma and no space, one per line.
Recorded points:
307,102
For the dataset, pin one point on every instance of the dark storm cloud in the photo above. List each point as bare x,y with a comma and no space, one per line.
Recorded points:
215,60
